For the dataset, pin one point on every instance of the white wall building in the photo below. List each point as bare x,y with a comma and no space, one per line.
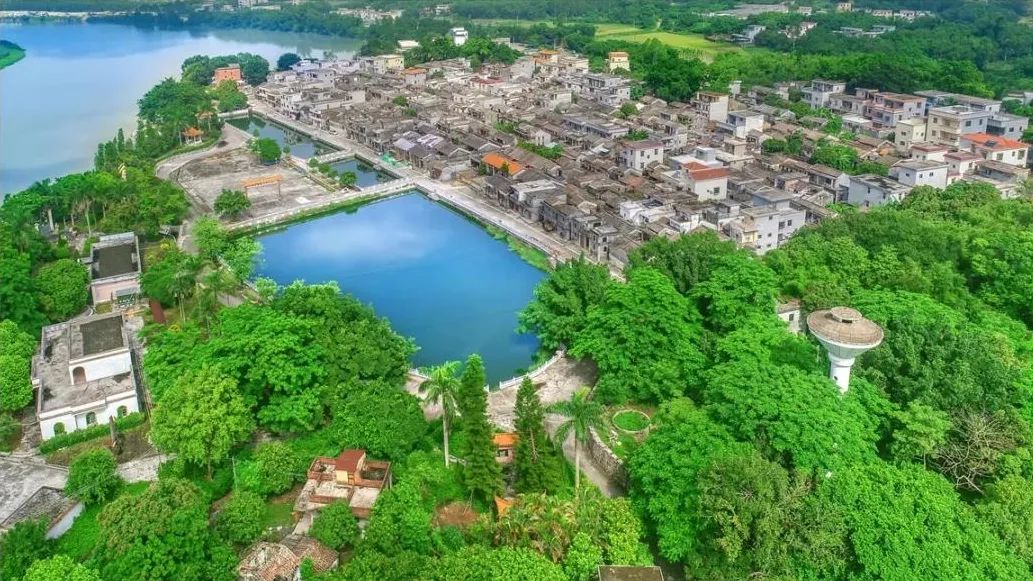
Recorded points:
916,172
459,35
84,374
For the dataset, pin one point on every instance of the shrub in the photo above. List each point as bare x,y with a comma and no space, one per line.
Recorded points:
278,467
335,526
91,433
241,518
93,477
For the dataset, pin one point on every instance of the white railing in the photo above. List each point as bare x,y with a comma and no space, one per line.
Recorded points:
533,374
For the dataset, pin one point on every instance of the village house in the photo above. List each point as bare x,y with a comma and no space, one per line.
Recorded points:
870,190
994,148
617,60
947,125
265,561
114,267
228,73
350,478
505,446
84,374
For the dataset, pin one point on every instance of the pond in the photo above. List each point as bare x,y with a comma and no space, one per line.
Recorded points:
300,145
79,83
436,275
368,175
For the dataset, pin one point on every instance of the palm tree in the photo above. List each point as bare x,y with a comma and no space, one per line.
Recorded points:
442,388
583,413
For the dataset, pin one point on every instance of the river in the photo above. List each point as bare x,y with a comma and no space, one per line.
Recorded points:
79,83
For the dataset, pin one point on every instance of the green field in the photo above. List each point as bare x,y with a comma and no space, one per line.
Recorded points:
694,44
10,54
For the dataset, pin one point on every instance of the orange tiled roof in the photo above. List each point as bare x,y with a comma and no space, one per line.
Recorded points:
193,132
497,160
994,142
505,440
712,173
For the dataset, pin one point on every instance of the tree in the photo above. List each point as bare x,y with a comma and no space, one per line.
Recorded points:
171,277
267,150
441,389
278,466
920,430
546,524
482,473
583,414
1007,509
380,418
16,350
211,238
161,534
335,526
93,477
25,543
644,338
665,475
686,260
202,418
63,286
881,503
287,60
348,179
232,204
559,310
739,287
479,563
60,567
976,445
240,520
539,468
399,522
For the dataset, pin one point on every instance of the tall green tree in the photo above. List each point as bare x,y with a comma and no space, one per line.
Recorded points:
539,468
644,338
583,414
559,310
335,526
232,204
441,389
482,473
60,567
201,418
63,288
16,350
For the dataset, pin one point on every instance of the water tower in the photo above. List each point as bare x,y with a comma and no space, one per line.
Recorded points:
845,333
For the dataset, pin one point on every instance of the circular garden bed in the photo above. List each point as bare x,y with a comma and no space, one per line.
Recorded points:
630,420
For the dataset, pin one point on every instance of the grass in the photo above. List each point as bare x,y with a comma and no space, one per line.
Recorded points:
80,540
530,254
10,55
695,44
277,514
630,420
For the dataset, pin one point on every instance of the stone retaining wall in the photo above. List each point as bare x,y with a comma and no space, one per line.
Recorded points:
606,460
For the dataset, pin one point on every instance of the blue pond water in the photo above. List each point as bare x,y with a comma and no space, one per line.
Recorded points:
299,144
438,277
366,173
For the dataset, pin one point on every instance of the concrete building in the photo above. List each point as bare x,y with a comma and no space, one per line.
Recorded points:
909,132
83,374
115,269
947,125
639,155
459,35
764,228
605,89
713,105
888,109
227,73
1007,125
914,172
817,95
994,148
741,123
870,190
618,59
350,478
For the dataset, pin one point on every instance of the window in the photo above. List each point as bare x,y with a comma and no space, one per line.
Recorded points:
792,316
59,428
789,222
78,376
91,418
122,411
968,124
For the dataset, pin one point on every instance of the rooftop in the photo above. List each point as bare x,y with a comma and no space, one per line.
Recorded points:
845,326
115,259
622,573
98,335
994,142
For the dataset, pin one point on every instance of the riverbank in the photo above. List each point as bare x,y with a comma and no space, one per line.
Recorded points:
10,53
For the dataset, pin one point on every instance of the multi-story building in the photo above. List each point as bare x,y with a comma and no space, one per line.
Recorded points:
713,105
459,35
888,109
608,90
817,95
83,374
115,268
947,125
618,59
870,190
994,148
639,155
1007,125
908,132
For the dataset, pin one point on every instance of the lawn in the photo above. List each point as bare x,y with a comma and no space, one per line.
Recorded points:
81,538
692,43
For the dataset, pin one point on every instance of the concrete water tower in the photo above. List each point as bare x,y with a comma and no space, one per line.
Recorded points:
846,334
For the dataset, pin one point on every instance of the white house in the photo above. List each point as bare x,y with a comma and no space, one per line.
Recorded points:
84,374
873,190
638,155
115,268
916,172
996,148
459,35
